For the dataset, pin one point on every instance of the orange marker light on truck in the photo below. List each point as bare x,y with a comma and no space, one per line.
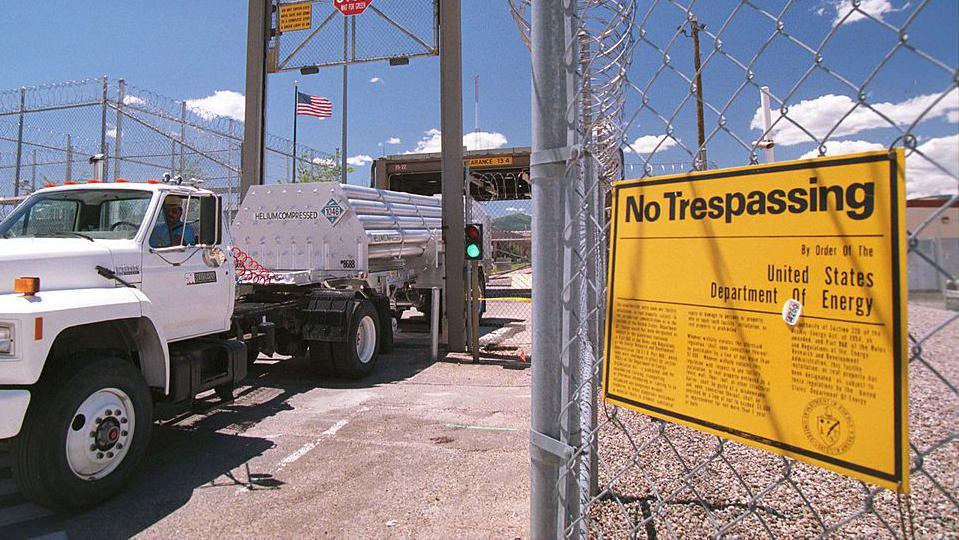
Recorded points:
27,286
38,328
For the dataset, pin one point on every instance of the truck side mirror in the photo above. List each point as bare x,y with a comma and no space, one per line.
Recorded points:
209,221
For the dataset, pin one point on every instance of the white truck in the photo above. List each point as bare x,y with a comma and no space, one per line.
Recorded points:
114,297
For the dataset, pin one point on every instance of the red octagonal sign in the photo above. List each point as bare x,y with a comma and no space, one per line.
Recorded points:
351,7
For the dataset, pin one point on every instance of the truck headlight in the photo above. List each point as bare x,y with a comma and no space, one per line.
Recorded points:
6,339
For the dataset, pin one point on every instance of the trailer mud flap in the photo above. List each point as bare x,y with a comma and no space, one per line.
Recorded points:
382,304
327,316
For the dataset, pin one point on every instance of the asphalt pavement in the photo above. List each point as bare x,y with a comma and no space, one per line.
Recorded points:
417,450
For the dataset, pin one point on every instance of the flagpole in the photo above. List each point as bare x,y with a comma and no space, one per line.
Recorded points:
296,98
346,31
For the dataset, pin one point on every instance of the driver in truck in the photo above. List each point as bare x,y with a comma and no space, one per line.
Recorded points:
170,228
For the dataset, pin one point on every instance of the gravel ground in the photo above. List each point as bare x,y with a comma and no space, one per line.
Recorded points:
665,480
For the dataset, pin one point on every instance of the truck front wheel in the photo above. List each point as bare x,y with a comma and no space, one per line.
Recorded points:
356,357
85,433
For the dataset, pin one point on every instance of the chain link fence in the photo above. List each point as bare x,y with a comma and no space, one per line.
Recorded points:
385,30
646,87
508,289
49,133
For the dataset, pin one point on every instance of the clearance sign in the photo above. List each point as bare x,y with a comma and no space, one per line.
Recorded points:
766,304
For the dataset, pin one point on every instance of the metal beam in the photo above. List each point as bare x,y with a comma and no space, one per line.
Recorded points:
451,124
259,19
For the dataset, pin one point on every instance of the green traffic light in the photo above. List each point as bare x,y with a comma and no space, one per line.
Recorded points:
472,251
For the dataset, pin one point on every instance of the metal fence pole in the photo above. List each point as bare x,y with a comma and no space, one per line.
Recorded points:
121,93
103,129
551,83
182,135
33,171
16,172
69,171
593,303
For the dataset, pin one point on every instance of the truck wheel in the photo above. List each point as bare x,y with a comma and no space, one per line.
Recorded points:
84,435
321,359
356,358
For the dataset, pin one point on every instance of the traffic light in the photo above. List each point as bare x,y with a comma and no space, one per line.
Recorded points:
474,242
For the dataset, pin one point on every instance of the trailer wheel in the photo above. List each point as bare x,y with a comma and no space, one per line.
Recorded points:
84,435
355,358
321,359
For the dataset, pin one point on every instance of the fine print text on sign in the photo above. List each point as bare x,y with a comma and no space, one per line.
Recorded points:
296,16
765,304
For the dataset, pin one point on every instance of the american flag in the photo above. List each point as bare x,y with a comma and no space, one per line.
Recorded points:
317,106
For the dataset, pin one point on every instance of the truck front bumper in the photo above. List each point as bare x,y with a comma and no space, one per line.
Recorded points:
13,408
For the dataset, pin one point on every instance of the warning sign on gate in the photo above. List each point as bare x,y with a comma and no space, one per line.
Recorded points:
296,16
766,304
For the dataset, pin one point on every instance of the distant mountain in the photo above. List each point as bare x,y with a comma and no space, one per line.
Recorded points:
513,222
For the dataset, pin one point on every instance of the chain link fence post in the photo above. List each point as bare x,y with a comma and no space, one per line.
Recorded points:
103,128
182,165
16,170
121,94
552,82
69,157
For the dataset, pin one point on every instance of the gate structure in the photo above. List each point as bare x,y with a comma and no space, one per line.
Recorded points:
621,84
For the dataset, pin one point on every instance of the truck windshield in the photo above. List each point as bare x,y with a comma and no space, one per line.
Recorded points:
90,213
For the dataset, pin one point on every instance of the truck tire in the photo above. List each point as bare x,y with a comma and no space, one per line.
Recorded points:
356,357
321,359
85,433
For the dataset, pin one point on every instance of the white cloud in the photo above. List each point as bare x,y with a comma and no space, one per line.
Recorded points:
324,161
393,140
819,116
875,8
646,144
923,177
837,148
375,80
359,160
130,99
428,144
112,133
482,140
222,103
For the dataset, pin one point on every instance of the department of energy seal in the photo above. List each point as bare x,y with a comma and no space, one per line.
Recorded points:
828,426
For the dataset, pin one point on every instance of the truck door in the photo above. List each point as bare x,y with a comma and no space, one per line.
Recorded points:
191,291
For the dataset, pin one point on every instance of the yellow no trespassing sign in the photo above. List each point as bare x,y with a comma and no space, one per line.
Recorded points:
297,16
766,304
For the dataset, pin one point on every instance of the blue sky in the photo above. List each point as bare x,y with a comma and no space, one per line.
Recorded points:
194,50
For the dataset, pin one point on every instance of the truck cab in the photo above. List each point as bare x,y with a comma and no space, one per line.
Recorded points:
99,286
